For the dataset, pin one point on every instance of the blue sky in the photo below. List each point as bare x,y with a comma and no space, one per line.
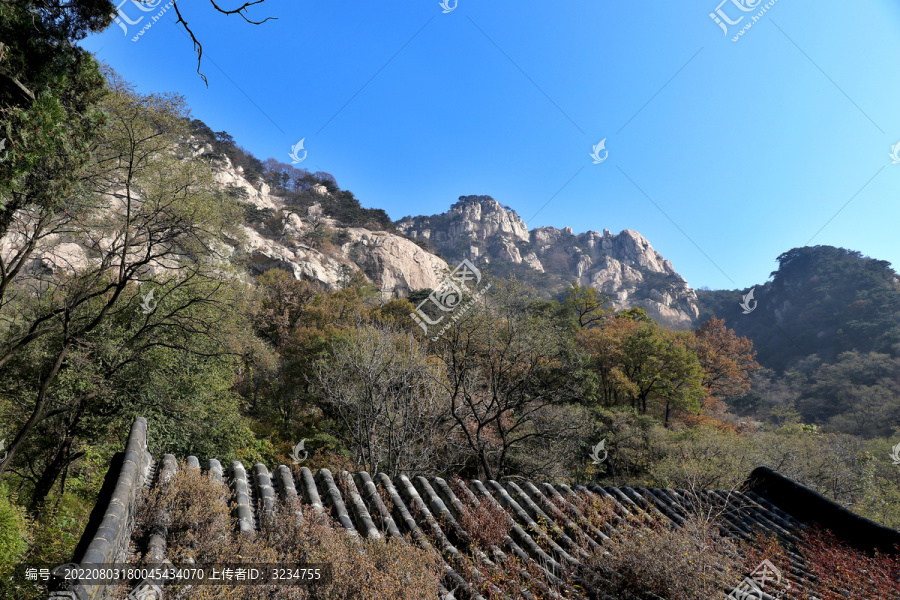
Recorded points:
722,154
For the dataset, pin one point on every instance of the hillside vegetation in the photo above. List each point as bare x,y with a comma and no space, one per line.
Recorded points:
821,300
148,313
292,184
827,332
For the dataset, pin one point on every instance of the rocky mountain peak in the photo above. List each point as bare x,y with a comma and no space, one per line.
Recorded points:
323,234
473,218
623,266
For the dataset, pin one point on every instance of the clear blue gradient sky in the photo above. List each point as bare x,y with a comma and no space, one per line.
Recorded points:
722,154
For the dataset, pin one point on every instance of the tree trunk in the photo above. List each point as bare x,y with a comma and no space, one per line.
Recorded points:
37,414
51,473
56,466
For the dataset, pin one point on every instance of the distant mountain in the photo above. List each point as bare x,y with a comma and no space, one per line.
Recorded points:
624,267
822,300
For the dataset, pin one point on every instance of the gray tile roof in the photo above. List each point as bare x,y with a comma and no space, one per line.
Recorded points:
429,509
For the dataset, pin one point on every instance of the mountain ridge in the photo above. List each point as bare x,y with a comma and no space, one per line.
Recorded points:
305,224
821,300
623,266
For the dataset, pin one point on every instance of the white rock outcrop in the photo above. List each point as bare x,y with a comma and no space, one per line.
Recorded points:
392,262
618,265
310,244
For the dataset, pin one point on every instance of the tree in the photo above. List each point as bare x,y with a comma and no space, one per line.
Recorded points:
395,312
637,362
635,313
141,271
385,391
659,365
278,376
49,90
319,232
587,304
605,347
726,360
506,371
284,301
63,23
298,320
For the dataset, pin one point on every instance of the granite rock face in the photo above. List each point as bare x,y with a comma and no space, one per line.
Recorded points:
625,267
311,245
316,247
395,264
304,242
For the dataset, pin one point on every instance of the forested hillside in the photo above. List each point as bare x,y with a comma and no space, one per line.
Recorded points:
293,184
821,300
826,329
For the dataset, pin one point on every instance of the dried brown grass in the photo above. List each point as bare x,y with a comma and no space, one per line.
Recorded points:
487,527
201,530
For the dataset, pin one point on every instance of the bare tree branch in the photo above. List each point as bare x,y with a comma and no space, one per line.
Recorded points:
238,11
243,8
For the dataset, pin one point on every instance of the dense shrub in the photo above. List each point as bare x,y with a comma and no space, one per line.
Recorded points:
650,555
253,214
487,562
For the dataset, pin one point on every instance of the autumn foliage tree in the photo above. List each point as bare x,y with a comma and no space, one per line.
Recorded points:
726,360
643,366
